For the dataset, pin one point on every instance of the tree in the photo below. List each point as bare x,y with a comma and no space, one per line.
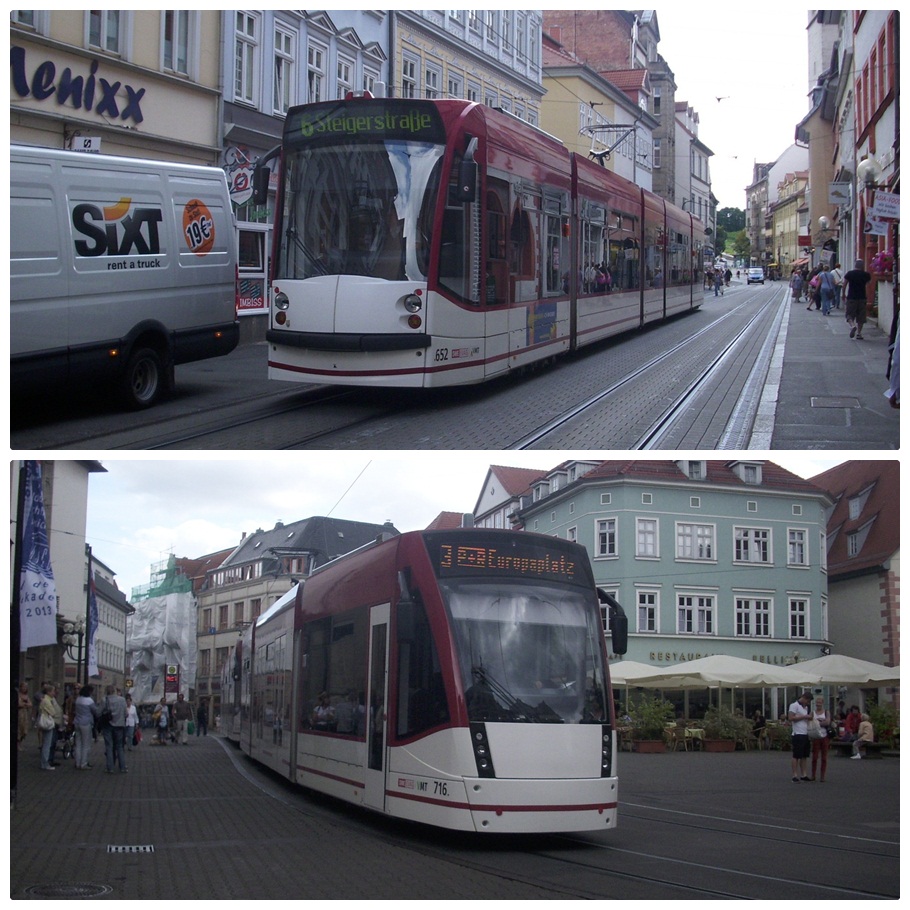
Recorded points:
731,219
742,247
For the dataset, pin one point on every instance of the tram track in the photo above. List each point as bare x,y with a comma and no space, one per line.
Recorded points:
714,359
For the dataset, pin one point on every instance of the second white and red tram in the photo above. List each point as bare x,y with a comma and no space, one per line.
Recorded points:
433,243
455,678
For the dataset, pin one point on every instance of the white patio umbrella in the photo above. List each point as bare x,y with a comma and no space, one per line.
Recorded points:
840,669
728,672
628,672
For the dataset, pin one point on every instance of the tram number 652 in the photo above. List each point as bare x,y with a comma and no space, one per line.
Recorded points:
442,354
440,788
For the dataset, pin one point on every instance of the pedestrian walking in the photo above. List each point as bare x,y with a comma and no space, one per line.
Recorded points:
796,286
838,275
202,719
85,715
827,288
113,730
23,714
855,282
799,715
820,743
183,714
50,720
132,724
161,718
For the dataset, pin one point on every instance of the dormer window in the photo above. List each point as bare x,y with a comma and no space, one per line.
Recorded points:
748,471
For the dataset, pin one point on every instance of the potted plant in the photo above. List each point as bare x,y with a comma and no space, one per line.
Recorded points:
723,728
650,716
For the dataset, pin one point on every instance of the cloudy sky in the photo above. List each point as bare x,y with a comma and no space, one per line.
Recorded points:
756,61
142,509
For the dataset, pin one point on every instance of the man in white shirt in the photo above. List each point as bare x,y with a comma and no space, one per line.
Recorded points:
798,716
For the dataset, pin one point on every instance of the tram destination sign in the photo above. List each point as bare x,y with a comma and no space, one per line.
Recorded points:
360,119
513,558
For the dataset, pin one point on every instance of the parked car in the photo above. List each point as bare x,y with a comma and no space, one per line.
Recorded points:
755,275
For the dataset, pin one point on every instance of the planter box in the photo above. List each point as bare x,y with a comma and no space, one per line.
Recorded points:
719,745
649,745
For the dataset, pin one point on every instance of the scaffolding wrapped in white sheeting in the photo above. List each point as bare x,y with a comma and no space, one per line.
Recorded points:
162,634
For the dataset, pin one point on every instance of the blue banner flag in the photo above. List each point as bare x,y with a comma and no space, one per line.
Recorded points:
37,591
92,653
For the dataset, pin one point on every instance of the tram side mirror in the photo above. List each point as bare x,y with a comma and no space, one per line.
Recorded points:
619,622
467,181
261,185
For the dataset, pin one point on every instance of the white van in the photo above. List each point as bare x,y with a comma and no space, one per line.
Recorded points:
120,268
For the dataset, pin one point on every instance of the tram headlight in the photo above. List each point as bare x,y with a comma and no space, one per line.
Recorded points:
413,304
281,301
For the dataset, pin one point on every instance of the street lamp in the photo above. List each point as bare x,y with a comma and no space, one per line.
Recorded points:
73,633
869,172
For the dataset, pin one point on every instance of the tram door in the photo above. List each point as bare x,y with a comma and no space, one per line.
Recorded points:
374,793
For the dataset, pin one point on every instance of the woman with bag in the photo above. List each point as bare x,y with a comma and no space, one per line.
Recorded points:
50,717
818,734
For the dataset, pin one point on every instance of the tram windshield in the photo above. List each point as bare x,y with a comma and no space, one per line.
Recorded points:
359,208
528,653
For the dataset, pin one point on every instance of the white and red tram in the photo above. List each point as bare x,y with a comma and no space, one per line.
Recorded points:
455,678
432,243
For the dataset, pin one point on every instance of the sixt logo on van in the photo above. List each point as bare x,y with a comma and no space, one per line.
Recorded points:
116,230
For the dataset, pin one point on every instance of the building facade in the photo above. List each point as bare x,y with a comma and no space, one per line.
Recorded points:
864,561
790,223
139,83
706,557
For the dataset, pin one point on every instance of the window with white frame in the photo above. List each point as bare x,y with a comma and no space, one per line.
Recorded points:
315,59
246,53
605,610
797,551
695,614
432,77
799,617
823,550
408,78
694,541
752,545
285,69
647,611
753,617
177,41
344,72
455,86
370,78
646,537
606,537
572,534
104,30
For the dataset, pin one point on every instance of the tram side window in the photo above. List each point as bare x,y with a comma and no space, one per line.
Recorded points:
422,702
624,251
655,238
556,261
679,259
333,678
522,249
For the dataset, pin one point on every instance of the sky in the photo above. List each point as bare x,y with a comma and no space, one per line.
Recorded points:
141,509
755,59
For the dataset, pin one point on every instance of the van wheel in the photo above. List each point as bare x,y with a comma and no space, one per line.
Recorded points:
142,382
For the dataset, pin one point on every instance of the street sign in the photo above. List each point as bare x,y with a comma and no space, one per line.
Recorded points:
886,205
